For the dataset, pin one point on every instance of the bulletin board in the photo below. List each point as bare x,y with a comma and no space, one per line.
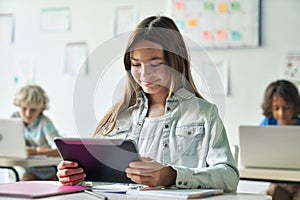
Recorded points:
218,23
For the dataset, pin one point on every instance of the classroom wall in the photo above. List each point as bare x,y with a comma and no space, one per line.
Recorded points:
251,70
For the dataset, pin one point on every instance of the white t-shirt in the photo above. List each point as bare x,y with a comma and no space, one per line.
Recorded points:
150,142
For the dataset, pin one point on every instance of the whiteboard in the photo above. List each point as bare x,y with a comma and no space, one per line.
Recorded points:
218,23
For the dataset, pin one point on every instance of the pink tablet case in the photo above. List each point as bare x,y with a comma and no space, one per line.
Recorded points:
36,189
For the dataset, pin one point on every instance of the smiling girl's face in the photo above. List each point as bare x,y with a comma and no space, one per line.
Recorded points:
149,68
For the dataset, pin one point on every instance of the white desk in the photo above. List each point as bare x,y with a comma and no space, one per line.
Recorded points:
29,162
9,163
83,196
282,175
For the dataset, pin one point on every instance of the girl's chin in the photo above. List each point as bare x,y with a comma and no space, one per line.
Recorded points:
149,91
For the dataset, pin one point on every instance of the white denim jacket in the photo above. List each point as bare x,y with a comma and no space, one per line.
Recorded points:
194,140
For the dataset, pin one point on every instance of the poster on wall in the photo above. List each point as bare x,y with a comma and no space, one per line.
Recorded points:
291,69
218,23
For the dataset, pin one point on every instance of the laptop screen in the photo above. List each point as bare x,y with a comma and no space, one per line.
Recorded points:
270,146
12,141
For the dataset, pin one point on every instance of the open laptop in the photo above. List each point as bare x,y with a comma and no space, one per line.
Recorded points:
270,146
12,141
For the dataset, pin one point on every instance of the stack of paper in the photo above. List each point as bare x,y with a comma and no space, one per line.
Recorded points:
141,190
114,188
177,193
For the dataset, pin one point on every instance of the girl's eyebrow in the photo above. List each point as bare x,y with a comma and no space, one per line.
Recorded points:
151,59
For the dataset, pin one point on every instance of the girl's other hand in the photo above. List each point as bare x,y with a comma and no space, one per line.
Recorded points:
151,173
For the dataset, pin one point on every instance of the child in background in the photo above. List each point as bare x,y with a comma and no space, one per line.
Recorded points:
281,106
180,136
39,130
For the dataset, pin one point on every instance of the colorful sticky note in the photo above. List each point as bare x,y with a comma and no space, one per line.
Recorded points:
235,6
179,23
222,8
236,35
179,5
221,35
208,35
192,22
208,6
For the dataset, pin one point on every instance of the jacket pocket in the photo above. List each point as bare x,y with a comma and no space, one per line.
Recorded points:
189,138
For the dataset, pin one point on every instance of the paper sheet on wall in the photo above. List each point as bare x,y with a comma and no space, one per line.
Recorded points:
222,67
24,70
6,28
125,19
213,80
291,69
75,60
56,19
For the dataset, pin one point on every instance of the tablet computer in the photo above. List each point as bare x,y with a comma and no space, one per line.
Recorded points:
103,160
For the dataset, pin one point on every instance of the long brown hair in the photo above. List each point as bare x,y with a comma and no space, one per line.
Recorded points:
161,30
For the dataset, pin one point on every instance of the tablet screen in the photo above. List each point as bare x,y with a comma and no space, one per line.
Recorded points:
103,160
